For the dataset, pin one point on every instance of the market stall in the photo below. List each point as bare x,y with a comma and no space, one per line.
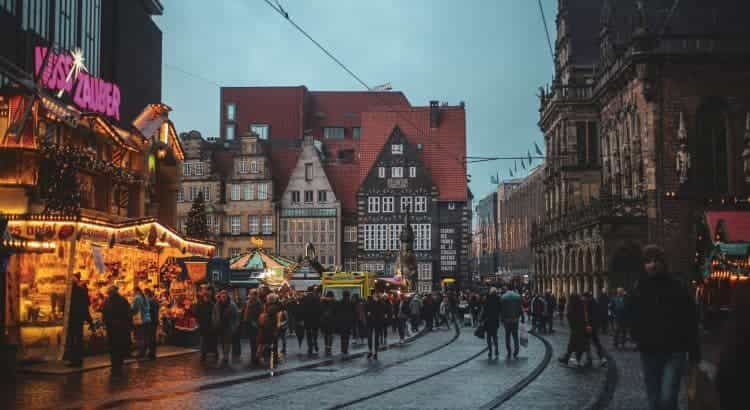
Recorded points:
135,253
256,269
726,263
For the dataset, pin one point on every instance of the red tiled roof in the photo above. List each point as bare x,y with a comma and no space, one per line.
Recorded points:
443,147
344,183
737,224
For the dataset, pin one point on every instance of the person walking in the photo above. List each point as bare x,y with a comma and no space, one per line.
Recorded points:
511,311
141,319
549,311
538,310
312,312
561,307
250,318
594,320
388,309
225,319
619,312
345,316
153,327
602,303
428,312
118,323
327,320
297,320
270,321
361,313
491,320
203,312
402,317
375,323
578,342
475,307
79,314
415,308
665,328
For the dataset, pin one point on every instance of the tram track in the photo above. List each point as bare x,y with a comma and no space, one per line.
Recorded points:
178,391
492,404
355,375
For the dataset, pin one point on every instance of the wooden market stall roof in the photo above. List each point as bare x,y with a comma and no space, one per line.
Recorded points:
258,260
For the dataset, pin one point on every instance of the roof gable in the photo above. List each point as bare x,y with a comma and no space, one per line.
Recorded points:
298,180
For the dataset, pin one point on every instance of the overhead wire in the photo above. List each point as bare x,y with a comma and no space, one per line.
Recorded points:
394,109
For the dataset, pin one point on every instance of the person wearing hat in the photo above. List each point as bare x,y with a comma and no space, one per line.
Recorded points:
665,327
79,314
226,320
118,322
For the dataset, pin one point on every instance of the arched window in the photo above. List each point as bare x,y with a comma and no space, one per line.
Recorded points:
709,149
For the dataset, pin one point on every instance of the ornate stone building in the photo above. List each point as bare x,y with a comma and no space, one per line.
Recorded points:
235,179
644,126
310,213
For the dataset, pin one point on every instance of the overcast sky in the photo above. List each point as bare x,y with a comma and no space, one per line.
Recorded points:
492,54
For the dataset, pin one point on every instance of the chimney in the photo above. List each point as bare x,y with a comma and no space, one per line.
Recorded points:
434,114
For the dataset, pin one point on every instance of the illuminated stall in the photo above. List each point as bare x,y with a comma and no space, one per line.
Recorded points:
256,269
134,253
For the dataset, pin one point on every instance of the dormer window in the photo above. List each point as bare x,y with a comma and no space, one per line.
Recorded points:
397,149
260,129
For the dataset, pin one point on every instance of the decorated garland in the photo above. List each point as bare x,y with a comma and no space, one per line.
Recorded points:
84,159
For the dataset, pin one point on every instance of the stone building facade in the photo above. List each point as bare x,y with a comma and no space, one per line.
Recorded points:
644,126
309,210
520,204
235,179
486,253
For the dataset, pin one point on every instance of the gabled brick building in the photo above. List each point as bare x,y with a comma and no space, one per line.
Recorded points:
351,128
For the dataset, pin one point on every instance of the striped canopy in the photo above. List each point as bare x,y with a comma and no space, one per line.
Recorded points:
258,260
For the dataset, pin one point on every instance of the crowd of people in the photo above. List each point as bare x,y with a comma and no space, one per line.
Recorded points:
266,318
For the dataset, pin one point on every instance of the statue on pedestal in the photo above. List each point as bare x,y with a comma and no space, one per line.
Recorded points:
407,261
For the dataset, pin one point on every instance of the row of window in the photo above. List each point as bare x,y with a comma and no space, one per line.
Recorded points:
247,166
193,169
190,193
397,172
338,133
376,204
250,191
262,130
386,237
309,196
424,271
301,231
254,224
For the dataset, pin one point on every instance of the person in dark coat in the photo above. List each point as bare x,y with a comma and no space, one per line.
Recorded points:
594,320
297,319
346,318
118,322
549,311
665,328
203,311
327,320
250,316
602,303
312,312
428,312
79,314
491,320
153,327
361,310
375,311
578,342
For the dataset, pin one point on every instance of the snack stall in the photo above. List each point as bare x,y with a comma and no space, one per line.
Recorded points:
255,269
135,253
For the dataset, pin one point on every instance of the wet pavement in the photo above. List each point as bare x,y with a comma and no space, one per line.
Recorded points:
439,370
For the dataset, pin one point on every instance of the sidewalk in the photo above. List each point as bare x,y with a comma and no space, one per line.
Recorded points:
97,362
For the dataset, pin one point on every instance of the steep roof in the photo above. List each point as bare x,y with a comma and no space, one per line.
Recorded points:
443,148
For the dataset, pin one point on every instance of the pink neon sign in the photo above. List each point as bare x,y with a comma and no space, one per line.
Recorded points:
89,93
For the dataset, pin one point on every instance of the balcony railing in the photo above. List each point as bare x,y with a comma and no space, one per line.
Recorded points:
566,94
593,212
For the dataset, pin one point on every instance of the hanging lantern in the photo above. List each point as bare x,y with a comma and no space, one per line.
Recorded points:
683,156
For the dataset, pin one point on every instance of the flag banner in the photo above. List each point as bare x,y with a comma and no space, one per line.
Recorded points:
529,154
538,150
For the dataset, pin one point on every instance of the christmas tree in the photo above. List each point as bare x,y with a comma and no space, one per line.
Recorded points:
63,194
197,225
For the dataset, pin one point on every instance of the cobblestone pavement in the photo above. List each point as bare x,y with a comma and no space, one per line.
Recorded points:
33,391
560,387
183,382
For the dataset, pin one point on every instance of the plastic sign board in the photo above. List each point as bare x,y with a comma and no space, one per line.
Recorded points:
65,72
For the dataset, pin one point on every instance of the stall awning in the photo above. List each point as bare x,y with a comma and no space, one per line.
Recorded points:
736,225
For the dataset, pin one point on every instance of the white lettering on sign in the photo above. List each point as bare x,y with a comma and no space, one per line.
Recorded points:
448,260
65,72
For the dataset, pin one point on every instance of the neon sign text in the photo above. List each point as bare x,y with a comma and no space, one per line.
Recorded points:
89,93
